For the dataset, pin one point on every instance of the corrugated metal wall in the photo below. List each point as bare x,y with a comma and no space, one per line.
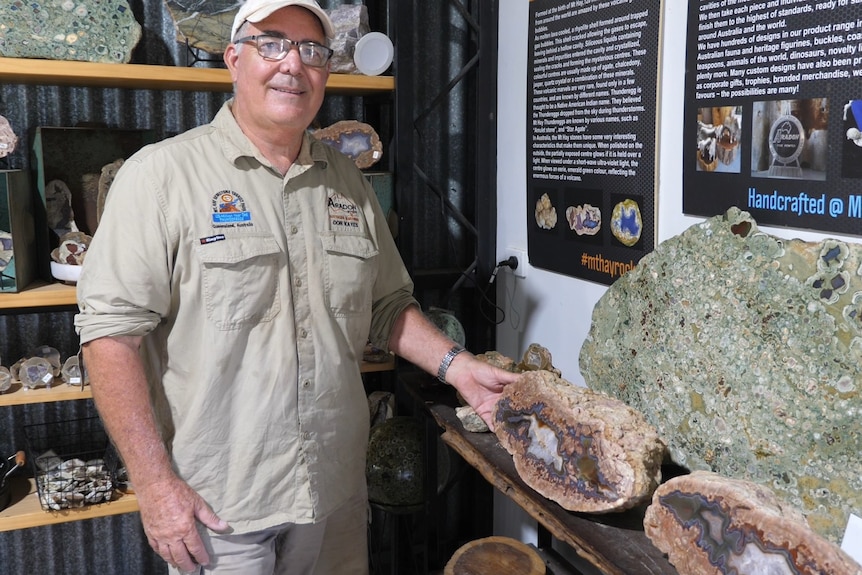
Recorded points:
442,136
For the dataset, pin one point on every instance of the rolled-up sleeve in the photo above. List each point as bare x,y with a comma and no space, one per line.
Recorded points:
124,285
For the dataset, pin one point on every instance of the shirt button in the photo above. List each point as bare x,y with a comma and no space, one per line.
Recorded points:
293,229
303,333
306,383
306,435
297,282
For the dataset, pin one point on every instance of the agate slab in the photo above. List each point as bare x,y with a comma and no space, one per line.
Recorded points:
578,447
744,350
712,525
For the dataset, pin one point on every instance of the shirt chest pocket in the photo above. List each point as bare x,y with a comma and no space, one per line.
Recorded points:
240,280
350,268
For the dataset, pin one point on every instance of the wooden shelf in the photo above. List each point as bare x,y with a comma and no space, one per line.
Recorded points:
40,294
145,76
17,395
25,510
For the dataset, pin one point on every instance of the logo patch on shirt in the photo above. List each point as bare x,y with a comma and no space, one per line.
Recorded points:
343,214
229,210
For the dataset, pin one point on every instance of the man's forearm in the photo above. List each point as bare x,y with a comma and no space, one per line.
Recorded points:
122,398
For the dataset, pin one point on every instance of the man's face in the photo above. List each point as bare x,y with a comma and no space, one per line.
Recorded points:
278,95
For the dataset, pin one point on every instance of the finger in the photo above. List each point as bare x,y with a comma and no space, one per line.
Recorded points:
208,517
181,559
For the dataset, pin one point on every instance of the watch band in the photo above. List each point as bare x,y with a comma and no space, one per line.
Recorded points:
447,361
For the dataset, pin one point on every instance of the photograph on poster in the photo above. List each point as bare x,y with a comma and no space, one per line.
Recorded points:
626,221
585,216
851,147
790,139
719,132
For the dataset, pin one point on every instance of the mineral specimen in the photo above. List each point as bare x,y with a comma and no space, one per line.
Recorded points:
88,31
626,222
8,139
357,140
203,24
578,447
72,249
745,351
709,524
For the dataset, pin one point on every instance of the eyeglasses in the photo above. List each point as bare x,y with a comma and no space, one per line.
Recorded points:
275,48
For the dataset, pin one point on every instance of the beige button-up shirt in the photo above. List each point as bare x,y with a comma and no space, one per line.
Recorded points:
257,294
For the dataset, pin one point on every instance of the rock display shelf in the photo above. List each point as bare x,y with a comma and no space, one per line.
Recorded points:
135,76
145,76
615,543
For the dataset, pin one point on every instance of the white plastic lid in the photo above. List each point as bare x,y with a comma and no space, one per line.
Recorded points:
373,53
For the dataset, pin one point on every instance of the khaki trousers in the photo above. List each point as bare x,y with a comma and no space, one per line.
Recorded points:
335,546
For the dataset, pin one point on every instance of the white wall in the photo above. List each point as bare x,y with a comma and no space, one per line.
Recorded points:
545,307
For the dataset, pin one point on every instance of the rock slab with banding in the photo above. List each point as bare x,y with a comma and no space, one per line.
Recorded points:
581,448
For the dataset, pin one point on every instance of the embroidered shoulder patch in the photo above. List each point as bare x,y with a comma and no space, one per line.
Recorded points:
343,214
229,209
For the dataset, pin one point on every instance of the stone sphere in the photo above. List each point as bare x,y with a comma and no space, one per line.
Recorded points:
395,468
446,322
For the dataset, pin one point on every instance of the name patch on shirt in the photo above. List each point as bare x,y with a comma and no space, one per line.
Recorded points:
343,214
211,239
229,210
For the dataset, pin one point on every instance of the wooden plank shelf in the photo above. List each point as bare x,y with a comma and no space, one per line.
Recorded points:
25,510
150,77
39,294
17,395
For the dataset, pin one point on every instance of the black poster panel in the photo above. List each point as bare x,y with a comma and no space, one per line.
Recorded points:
591,135
771,121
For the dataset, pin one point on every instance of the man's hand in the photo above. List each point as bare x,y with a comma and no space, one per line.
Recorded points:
479,383
170,510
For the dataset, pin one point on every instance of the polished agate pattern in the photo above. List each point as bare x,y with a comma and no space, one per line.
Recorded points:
580,448
744,350
709,524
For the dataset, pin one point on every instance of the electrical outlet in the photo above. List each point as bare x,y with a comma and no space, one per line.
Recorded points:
521,270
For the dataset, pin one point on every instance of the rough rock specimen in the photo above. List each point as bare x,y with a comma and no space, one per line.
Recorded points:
351,23
91,31
204,24
356,140
710,524
8,139
745,351
580,448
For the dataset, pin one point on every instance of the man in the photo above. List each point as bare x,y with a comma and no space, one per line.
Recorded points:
225,302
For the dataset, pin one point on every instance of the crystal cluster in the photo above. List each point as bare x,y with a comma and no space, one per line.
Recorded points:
745,352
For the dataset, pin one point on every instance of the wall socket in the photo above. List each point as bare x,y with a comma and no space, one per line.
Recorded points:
521,270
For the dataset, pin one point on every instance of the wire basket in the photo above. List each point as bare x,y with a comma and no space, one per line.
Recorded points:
73,462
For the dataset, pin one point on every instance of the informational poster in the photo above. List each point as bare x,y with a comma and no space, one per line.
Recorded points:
592,135
772,123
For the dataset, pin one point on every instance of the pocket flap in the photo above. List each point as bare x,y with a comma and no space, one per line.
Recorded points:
237,249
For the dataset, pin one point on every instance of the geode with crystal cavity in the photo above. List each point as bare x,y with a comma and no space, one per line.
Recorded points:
356,140
709,524
578,447
744,350
96,31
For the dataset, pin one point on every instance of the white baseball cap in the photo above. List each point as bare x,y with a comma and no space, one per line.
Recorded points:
257,10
